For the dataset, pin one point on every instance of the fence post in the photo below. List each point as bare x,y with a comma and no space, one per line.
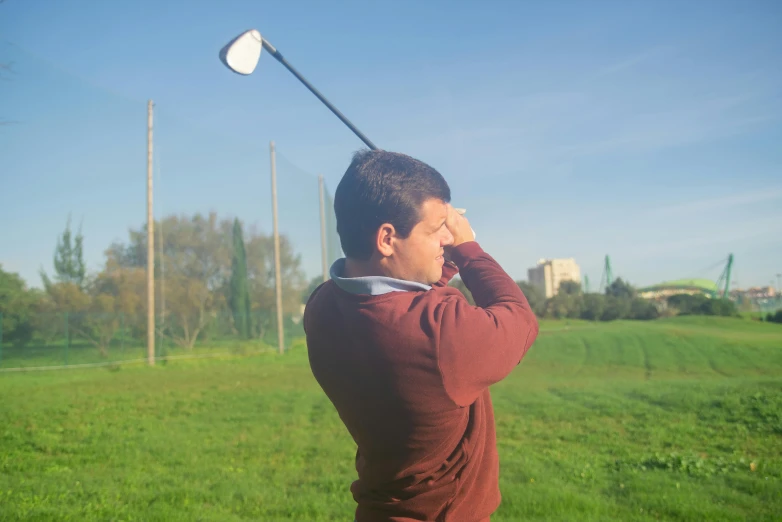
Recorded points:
67,339
277,270
122,334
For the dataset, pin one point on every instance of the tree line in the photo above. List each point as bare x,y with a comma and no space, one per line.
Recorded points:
619,301
206,268
215,278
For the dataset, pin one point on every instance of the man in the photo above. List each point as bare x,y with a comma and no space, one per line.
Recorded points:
404,358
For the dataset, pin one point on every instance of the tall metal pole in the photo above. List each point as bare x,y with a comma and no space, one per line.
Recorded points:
277,268
726,293
67,338
150,247
323,253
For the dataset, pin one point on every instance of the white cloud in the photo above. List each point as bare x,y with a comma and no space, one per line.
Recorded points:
723,202
691,244
629,62
685,123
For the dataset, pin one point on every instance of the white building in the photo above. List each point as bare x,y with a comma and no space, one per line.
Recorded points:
550,273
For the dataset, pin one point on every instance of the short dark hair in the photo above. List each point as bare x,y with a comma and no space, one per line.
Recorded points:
383,187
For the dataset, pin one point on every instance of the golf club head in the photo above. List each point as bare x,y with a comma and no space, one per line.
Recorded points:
241,54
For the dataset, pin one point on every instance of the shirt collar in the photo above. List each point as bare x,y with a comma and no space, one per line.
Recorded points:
372,285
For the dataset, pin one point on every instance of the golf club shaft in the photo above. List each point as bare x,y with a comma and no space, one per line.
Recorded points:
274,52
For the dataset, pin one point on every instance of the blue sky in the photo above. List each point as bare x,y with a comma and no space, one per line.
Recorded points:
649,131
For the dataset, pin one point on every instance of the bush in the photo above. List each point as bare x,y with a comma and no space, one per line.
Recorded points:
594,305
616,308
621,301
643,310
699,304
721,307
687,304
537,301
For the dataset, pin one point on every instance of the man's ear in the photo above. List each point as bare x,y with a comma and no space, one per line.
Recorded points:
384,241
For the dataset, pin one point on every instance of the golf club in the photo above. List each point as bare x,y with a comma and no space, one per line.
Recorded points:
241,55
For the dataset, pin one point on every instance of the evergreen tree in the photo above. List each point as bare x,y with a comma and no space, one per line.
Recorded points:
69,266
239,298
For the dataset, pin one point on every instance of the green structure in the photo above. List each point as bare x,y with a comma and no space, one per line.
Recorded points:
683,286
608,275
724,281
718,289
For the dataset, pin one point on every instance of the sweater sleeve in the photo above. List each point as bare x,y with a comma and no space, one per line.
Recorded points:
449,270
480,345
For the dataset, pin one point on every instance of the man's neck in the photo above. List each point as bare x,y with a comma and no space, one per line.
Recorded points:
357,268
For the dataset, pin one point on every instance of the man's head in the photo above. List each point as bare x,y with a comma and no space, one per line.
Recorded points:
391,212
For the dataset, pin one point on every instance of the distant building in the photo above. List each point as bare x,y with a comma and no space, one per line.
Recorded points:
755,292
705,287
680,286
550,273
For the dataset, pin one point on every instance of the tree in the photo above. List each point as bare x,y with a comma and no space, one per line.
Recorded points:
69,266
65,294
195,253
239,297
687,304
717,306
621,289
193,266
91,304
315,282
261,275
536,299
17,308
95,313
570,288
615,308
594,306
643,309
565,306
64,300
116,300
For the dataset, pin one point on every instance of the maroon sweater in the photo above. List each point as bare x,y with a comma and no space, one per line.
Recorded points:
409,374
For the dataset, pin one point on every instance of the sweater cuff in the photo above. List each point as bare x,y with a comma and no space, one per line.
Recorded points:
461,254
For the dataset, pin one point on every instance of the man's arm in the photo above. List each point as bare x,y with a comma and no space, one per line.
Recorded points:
449,270
480,345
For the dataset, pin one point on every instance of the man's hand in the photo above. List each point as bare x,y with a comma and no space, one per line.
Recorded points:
459,227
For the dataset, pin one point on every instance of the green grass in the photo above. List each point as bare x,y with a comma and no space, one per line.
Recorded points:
678,419
57,354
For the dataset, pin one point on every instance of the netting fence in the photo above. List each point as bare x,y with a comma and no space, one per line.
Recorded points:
73,265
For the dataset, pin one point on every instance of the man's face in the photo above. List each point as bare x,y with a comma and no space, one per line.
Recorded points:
419,257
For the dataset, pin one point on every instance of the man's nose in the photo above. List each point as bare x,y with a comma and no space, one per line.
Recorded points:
447,238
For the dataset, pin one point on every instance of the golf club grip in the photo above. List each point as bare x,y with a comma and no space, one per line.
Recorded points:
323,99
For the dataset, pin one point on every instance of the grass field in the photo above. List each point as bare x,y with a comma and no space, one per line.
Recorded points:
676,419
